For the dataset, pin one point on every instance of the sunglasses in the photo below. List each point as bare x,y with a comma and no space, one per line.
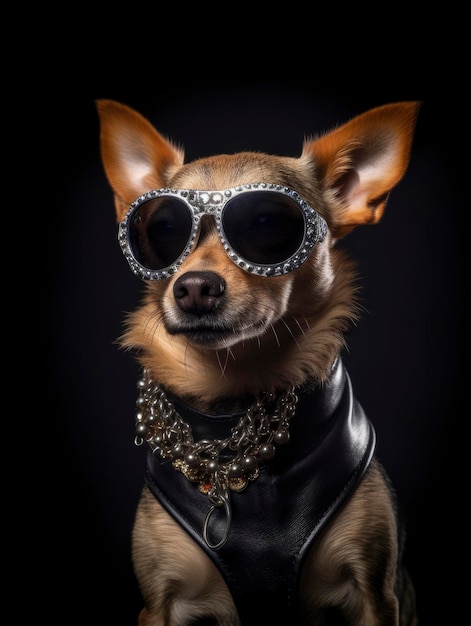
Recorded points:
265,229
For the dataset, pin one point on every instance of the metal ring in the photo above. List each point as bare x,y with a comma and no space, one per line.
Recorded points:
227,508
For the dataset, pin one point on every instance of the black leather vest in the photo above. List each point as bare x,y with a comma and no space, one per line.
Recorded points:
277,517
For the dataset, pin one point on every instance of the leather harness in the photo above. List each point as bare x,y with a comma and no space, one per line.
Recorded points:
278,516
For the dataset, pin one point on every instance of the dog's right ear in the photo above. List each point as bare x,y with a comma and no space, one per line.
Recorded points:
135,156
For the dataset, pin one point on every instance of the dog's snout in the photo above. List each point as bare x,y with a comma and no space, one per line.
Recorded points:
198,292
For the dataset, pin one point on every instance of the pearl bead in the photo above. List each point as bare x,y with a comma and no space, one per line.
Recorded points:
178,451
266,452
281,437
212,466
141,430
235,470
191,459
249,463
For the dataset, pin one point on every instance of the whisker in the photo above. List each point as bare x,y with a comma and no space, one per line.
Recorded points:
289,329
223,366
298,323
154,319
276,335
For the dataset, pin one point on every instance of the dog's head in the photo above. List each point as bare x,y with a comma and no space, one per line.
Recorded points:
245,289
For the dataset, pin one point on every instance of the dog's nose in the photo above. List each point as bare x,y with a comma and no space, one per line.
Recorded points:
198,292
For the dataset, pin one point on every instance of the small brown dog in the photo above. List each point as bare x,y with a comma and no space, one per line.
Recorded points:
263,501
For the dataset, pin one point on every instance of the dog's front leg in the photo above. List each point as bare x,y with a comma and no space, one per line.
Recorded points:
178,581
350,574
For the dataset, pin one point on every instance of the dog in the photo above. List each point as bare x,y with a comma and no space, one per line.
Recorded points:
263,500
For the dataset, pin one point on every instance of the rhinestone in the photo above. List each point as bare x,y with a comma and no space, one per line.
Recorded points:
237,484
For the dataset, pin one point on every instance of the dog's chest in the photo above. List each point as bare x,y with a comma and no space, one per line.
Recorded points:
271,523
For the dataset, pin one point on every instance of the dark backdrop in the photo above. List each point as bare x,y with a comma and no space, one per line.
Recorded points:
404,355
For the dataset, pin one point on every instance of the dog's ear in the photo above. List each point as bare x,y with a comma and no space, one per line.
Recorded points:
361,161
135,156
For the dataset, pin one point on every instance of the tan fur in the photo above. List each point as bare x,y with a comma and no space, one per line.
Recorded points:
283,331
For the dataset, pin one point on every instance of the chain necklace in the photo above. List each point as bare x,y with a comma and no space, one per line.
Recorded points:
221,465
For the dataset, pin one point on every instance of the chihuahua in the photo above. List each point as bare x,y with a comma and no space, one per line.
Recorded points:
263,500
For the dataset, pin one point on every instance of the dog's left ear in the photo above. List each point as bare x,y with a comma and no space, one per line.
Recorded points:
360,162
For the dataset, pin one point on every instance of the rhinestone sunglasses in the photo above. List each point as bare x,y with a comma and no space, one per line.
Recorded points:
265,229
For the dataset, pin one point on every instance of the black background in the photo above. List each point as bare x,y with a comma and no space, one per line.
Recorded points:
404,356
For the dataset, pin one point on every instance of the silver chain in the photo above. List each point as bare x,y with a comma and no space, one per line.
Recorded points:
221,465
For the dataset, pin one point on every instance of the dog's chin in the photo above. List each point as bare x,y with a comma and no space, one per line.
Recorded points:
216,338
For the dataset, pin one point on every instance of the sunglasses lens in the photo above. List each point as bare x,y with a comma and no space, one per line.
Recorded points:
264,227
159,232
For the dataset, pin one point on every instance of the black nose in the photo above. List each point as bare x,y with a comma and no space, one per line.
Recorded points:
198,292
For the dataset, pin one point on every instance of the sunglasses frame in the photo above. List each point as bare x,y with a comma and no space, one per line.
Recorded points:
200,203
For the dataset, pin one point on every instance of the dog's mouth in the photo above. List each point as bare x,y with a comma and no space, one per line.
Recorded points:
209,314
216,336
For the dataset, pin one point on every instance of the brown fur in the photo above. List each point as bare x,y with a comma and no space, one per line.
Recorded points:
280,331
